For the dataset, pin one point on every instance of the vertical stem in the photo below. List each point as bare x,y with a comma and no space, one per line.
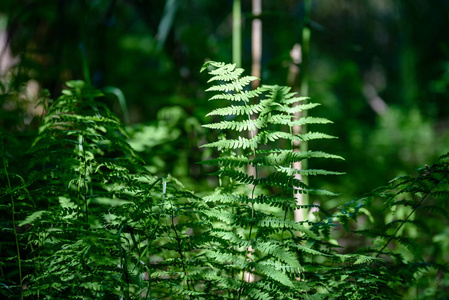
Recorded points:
304,80
304,87
256,42
252,134
303,199
250,232
85,64
14,226
237,33
82,187
123,264
256,54
178,239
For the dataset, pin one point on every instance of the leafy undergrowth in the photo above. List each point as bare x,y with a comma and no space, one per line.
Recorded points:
83,218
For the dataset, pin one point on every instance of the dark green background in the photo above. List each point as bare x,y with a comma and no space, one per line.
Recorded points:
399,49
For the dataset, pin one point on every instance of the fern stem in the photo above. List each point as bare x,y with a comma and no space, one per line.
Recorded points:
152,236
14,226
283,228
292,147
83,177
411,213
256,173
248,243
178,240
123,263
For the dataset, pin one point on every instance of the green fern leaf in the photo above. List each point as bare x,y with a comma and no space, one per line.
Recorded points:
290,120
237,85
239,143
279,252
291,171
270,270
298,108
244,96
239,126
33,217
237,110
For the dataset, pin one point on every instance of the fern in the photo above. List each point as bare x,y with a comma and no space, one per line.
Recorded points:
86,220
404,238
260,238
108,220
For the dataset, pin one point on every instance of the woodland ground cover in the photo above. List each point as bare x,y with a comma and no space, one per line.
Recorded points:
103,194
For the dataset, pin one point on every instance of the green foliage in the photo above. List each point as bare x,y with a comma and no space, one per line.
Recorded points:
162,144
387,94
255,206
410,239
83,217
105,221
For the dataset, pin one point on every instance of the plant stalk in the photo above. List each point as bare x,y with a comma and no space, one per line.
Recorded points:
302,198
237,33
19,261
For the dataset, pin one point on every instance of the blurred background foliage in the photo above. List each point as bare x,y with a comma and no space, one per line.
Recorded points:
380,69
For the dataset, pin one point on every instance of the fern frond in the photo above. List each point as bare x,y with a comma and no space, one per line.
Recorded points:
221,197
280,223
271,136
253,222
240,143
258,294
315,136
282,94
270,270
298,108
278,251
237,110
309,250
290,120
239,126
231,161
292,171
230,237
237,85
221,215
280,179
223,72
244,96
226,258
238,176
285,157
